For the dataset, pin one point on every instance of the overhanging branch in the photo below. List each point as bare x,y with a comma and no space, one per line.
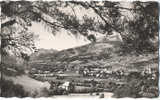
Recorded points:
8,23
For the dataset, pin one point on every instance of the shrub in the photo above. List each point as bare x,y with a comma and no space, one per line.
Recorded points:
101,95
9,89
44,92
81,89
137,88
124,91
97,93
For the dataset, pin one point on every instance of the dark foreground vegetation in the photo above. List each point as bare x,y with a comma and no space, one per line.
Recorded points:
9,89
139,87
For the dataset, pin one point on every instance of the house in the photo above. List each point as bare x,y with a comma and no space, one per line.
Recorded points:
65,86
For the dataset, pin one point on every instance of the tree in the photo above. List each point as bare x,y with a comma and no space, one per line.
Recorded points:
143,30
108,17
91,38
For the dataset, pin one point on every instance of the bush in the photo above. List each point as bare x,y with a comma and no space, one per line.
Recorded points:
137,88
97,93
44,92
131,89
101,95
12,70
9,89
81,89
57,91
124,91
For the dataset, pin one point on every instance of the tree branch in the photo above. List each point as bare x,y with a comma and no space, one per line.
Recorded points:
8,23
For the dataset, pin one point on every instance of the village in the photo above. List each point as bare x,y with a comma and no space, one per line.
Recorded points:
88,79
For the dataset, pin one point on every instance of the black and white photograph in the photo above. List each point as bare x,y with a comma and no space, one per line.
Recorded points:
79,49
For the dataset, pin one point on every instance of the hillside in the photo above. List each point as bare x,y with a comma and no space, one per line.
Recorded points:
29,84
102,61
102,54
42,54
83,52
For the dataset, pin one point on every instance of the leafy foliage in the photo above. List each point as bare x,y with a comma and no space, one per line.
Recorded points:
144,28
109,16
141,86
9,89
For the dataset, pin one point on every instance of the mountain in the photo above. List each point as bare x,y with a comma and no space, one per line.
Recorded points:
42,54
105,53
103,44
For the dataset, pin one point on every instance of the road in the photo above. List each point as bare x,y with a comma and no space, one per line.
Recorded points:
84,96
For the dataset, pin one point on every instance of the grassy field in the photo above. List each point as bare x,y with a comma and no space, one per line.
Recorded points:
29,84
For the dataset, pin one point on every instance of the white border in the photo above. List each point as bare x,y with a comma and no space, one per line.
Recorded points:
43,98
86,0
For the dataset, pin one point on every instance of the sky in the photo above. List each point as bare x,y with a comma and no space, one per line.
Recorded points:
60,41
